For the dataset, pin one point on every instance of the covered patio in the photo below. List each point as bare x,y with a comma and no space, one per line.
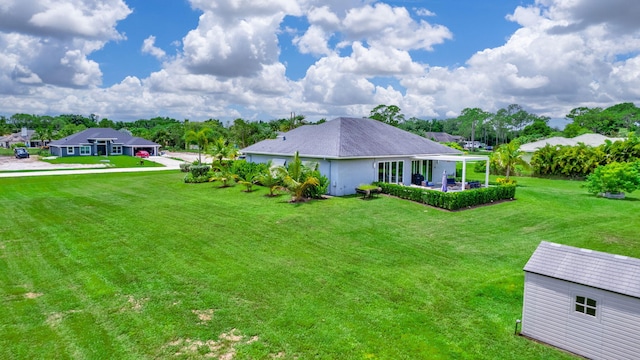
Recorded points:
464,159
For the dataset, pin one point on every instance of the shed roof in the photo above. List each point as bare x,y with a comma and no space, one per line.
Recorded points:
82,137
616,273
349,138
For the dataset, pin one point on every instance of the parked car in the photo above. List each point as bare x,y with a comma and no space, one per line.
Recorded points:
142,154
20,153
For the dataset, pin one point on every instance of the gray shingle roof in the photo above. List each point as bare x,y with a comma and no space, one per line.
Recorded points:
442,136
82,137
349,138
620,274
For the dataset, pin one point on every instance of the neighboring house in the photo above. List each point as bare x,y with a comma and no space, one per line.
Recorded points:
101,141
354,151
442,137
25,136
587,139
583,301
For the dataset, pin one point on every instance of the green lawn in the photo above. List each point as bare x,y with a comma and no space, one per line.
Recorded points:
120,161
141,265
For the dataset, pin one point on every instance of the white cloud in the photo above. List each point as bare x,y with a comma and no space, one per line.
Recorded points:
48,42
148,47
314,41
565,53
424,12
239,49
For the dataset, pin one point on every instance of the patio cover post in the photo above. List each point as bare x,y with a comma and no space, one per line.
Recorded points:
486,175
464,174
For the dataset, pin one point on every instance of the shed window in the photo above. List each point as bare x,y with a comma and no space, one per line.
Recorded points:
586,305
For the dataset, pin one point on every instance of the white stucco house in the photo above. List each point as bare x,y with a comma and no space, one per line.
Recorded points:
354,151
583,301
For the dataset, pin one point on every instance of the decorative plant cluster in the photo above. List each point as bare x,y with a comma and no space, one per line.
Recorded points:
302,181
450,200
614,178
505,181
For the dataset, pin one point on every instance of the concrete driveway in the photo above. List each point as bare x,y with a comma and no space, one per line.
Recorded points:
13,165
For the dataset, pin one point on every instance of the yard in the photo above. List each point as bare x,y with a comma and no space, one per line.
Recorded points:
142,265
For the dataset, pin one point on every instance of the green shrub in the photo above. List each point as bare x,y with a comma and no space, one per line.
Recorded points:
242,168
450,200
318,191
614,178
190,179
185,167
199,170
18,145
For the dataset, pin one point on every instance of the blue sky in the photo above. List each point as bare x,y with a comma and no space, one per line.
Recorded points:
200,59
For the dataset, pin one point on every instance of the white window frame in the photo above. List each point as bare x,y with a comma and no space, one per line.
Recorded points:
386,172
71,150
583,313
113,150
84,149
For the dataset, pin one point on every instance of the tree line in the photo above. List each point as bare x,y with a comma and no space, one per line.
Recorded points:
168,132
491,128
514,122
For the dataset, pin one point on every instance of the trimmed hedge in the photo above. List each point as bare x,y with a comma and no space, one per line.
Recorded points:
450,200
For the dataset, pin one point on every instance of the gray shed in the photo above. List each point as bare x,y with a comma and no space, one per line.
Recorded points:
583,301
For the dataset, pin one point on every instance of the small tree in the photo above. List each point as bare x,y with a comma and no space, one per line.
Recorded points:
221,149
508,156
270,179
248,180
614,178
297,178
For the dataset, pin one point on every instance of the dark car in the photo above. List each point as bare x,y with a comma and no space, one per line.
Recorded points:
20,153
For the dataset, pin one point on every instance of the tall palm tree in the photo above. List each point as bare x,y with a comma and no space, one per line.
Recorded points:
200,138
297,178
508,156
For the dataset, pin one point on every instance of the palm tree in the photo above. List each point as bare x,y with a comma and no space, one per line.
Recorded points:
220,149
508,156
269,178
200,138
248,180
297,178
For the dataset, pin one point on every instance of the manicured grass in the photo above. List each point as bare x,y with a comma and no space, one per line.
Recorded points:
120,161
141,265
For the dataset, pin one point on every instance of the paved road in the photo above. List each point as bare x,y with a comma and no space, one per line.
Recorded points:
169,164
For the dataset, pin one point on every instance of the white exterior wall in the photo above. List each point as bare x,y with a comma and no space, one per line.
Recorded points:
549,316
439,167
346,175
